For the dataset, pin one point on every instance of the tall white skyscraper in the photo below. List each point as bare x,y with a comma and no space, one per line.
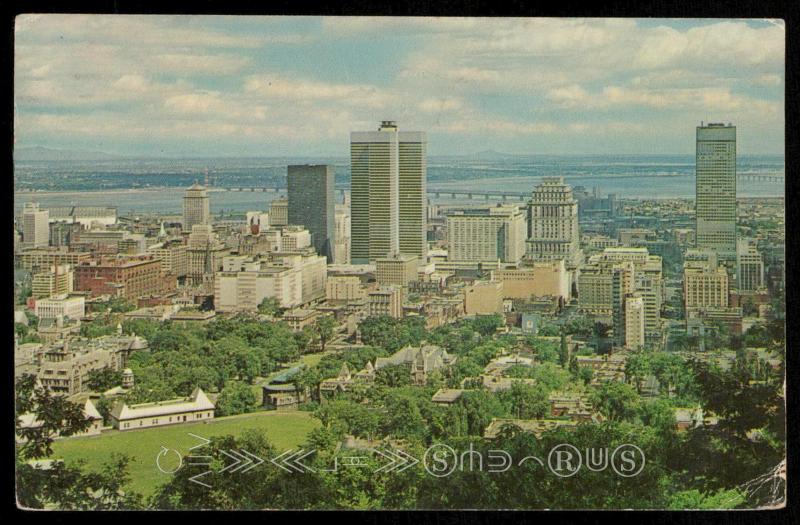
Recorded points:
35,226
388,193
196,208
715,202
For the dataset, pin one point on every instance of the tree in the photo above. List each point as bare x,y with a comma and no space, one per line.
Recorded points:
616,401
526,401
96,328
53,415
325,328
393,376
270,306
253,489
62,486
236,398
103,379
68,487
121,305
563,352
479,407
487,325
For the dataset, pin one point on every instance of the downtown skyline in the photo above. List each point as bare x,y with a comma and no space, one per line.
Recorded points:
297,86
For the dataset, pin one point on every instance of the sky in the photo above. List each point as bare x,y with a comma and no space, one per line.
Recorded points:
297,86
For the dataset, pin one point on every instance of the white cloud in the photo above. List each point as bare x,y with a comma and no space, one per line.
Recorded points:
568,96
440,105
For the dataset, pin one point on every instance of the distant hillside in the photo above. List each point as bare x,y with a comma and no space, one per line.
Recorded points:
41,153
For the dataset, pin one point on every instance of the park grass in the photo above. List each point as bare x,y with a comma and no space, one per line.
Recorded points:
285,430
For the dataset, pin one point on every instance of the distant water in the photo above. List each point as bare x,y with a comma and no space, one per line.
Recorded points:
155,185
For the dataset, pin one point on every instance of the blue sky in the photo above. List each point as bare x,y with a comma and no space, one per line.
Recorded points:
274,86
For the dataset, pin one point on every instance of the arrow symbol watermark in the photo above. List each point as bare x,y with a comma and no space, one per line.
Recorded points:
290,461
194,479
237,459
257,459
201,438
398,460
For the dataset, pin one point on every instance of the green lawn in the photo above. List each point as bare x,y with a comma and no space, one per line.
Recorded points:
285,430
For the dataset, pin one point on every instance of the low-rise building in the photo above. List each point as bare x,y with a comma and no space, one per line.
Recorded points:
64,306
396,270
546,278
387,300
58,280
196,407
484,298
420,361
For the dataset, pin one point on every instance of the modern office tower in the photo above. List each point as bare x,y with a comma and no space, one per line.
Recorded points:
196,208
58,280
397,269
35,226
715,200
388,193
704,286
486,235
279,212
553,223
749,266
634,322
311,203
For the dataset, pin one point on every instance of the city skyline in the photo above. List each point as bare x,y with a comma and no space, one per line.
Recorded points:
269,86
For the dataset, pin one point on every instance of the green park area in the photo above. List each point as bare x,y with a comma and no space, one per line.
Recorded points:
285,430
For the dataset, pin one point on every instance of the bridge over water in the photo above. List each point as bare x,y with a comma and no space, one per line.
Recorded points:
477,194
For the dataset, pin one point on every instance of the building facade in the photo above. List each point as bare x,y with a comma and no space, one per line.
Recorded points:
196,407
704,286
311,203
388,193
715,200
66,306
196,207
486,235
125,277
387,300
749,266
279,212
553,231
396,269
60,279
35,226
